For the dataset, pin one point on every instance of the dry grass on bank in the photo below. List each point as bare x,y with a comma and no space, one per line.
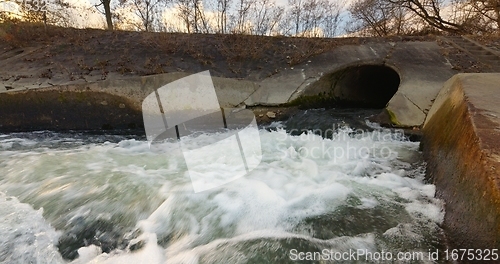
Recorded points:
80,52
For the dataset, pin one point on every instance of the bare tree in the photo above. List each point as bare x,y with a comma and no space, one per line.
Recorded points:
192,13
222,11
276,14
266,15
489,10
148,11
331,21
377,17
202,24
312,18
106,4
295,14
314,12
240,19
430,12
195,13
185,13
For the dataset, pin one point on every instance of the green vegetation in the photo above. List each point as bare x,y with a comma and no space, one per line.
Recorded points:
392,117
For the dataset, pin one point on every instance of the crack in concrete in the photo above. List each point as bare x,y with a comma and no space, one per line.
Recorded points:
387,57
299,87
250,95
424,112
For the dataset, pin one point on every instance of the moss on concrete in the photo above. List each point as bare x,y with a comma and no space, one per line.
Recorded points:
392,117
66,109
321,100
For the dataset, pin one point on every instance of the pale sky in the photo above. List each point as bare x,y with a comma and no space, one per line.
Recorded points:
85,15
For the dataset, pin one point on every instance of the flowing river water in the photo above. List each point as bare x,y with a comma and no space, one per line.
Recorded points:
89,198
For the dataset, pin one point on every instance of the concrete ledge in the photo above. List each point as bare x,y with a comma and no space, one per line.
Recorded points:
461,143
110,104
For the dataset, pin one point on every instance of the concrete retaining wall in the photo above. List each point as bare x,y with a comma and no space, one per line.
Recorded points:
420,65
110,104
461,144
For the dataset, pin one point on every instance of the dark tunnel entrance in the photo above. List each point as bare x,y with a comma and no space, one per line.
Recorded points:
365,86
360,86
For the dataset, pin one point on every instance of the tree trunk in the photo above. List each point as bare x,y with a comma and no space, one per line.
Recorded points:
107,12
497,12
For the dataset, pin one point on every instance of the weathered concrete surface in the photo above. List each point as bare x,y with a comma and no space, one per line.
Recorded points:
490,58
422,70
462,148
99,105
421,67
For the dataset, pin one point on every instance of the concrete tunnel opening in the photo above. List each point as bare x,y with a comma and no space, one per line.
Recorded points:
364,86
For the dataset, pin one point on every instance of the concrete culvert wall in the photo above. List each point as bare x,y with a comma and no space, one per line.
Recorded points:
462,148
365,86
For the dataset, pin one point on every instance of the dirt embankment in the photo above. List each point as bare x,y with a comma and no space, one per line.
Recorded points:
30,51
76,54
34,55
91,55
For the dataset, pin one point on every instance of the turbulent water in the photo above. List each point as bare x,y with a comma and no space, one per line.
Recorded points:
111,199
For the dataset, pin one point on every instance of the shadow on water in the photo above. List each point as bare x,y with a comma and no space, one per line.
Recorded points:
328,121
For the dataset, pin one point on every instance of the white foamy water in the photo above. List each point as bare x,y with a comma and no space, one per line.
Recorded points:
25,237
106,202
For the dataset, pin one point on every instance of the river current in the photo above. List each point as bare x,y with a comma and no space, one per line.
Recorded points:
89,198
